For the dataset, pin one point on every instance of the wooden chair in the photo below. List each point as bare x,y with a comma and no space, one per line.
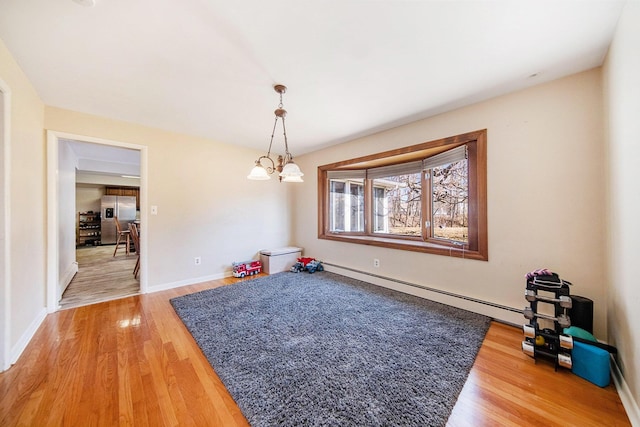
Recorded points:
135,236
124,236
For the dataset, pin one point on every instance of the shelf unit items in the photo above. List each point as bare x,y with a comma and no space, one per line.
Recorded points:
88,232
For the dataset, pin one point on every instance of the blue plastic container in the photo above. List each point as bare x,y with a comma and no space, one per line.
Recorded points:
591,363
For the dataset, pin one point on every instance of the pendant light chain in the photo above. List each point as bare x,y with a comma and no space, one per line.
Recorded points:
273,131
281,112
288,155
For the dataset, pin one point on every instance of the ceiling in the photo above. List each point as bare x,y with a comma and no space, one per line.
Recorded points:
352,67
100,160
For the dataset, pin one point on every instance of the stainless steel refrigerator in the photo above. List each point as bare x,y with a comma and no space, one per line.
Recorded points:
123,207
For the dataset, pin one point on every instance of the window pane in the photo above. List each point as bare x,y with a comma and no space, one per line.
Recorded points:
450,201
336,205
356,190
346,205
380,222
397,207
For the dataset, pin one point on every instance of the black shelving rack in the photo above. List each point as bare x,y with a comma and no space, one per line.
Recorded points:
89,231
549,342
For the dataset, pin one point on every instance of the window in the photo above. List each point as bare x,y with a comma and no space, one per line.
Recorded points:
397,198
346,205
397,205
447,176
430,197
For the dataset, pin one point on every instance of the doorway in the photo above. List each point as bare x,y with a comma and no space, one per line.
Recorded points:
64,263
106,186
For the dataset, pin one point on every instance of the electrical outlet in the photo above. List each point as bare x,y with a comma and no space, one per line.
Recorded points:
197,260
376,262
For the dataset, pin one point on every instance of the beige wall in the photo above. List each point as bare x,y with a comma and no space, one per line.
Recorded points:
88,197
206,206
545,194
27,204
622,96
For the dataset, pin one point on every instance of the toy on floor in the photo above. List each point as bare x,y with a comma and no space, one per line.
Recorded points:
307,264
246,268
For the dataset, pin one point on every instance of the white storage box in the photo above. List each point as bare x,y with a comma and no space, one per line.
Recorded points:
280,259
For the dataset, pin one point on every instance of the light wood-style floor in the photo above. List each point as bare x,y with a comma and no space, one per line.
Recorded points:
131,361
101,276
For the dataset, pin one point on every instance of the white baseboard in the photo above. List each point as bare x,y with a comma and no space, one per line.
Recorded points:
67,278
505,315
180,283
629,403
26,337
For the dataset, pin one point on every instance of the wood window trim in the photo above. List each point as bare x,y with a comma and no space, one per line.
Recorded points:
477,248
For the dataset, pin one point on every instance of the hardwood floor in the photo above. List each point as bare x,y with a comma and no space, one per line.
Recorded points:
131,361
101,276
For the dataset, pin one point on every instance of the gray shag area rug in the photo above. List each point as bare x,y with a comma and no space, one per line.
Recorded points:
327,350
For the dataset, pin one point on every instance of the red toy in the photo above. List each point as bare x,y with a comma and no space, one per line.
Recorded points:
244,268
305,261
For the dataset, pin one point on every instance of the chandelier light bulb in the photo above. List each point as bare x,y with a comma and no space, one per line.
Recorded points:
258,173
291,169
292,179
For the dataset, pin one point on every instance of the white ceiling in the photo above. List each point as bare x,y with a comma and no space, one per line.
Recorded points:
352,67
85,150
104,159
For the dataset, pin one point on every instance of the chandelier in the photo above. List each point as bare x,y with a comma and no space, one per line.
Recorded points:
265,166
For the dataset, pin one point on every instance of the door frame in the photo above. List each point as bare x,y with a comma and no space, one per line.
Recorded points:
5,247
53,147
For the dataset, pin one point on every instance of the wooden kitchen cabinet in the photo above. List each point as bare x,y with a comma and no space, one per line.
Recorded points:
124,191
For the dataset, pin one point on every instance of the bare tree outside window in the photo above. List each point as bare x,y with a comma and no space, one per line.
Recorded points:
450,201
399,206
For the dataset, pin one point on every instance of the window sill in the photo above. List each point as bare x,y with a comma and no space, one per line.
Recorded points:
408,245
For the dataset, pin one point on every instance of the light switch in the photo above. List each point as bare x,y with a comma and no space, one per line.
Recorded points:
154,210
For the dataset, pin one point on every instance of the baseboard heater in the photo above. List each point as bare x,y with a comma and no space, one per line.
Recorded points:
427,288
